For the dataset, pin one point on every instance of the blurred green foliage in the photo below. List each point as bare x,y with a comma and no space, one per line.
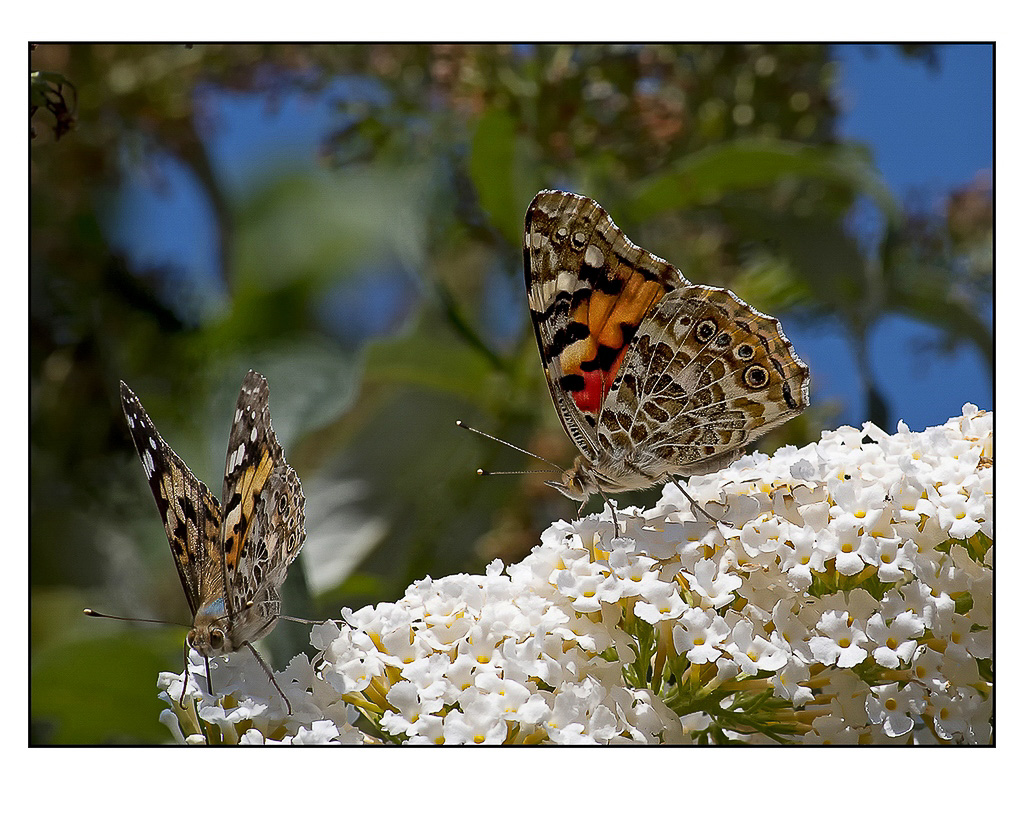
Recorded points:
721,158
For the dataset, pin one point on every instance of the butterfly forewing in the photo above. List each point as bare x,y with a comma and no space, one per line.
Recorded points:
190,512
589,288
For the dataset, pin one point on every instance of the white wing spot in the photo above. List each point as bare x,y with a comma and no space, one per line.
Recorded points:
565,282
238,415
236,457
147,464
252,435
579,237
594,256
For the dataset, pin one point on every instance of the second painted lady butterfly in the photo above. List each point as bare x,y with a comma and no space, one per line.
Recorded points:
232,557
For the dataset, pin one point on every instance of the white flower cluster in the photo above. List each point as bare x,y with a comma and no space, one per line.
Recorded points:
248,710
844,597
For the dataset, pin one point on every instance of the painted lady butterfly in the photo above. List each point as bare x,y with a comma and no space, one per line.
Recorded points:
231,558
652,376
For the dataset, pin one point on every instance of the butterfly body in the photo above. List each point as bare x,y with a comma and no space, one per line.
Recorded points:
233,557
651,375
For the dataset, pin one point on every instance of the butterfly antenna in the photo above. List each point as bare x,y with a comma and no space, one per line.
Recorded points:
521,472
94,613
511,446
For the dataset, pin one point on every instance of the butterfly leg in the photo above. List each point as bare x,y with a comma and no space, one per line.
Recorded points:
270,674
304,621
696,507
611,506
184,683
209,677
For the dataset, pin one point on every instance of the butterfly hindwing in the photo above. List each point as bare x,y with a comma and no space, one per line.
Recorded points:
189,511
706,374
589,289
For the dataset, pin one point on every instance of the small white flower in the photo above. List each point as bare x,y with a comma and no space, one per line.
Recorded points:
960,514
840,641
857,505
752,652
894,708
831,729
714,587
962,716
894,641
894,557
800,556
478,723
663,603
787,681
321,732
699,634
853,549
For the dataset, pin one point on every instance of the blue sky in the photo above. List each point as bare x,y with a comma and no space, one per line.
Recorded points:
929,130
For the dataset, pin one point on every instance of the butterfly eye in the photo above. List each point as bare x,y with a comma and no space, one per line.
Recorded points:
216,639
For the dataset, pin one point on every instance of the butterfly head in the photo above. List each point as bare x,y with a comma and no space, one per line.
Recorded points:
212,633
210,640
577,483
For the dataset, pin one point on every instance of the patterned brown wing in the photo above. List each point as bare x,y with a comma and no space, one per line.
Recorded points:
589,288
190,512
706,375
264,515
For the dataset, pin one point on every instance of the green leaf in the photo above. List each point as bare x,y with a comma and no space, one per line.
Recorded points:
428,361
756,162
492,167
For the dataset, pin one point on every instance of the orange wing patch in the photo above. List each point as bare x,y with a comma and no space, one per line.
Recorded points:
611,321
239,508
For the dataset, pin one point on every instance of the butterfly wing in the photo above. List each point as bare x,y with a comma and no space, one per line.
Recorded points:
706,375
589,288
190,512
264,518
